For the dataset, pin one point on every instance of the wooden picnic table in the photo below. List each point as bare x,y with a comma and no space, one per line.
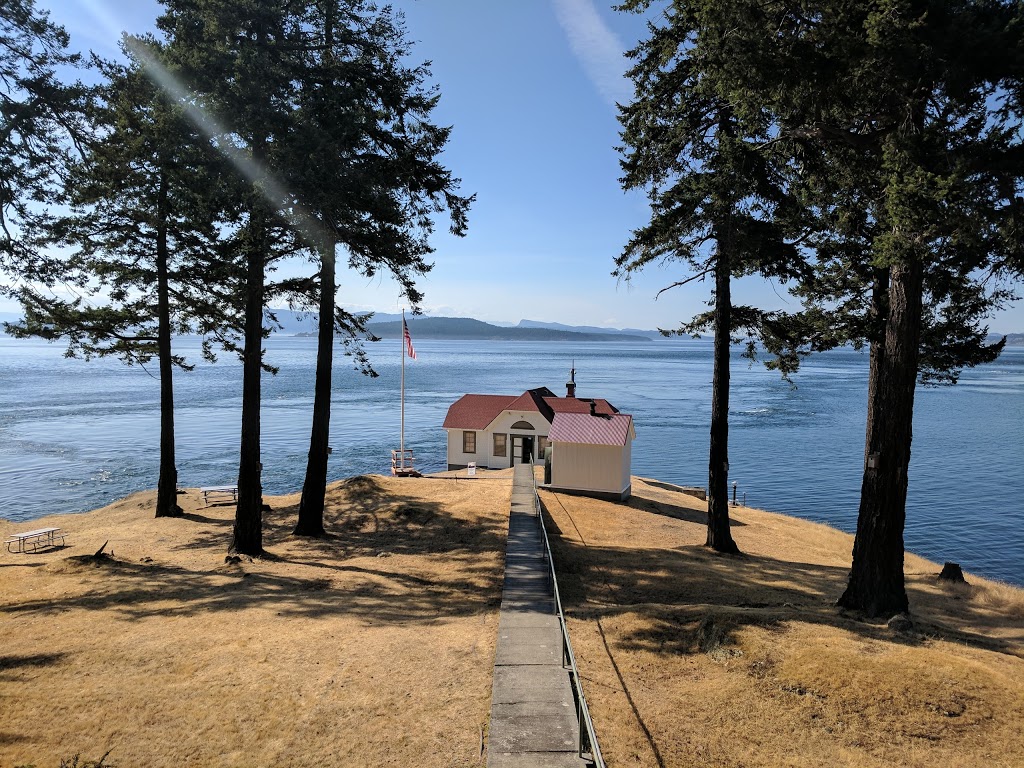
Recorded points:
215,493
30,541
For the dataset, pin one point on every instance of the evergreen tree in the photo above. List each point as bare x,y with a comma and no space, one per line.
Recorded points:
717,204
138,243
232,60
364,116
41,118
259,74
906,120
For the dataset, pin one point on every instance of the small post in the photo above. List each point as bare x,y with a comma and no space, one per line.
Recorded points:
734,493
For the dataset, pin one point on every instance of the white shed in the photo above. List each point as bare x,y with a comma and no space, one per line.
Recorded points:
592,453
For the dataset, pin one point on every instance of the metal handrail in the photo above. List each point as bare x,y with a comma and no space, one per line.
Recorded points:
586,733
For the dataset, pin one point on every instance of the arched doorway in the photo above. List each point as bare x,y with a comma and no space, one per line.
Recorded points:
522,444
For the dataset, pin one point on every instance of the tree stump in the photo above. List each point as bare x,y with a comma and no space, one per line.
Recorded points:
952,572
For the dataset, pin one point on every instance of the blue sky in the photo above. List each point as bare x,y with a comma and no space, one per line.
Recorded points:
530,88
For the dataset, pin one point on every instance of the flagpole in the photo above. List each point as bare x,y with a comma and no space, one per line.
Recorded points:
402,438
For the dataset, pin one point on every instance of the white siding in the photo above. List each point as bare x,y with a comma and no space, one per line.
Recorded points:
602,468
484,456
503,423
455,454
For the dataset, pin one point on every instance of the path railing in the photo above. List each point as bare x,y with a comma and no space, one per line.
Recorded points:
587,747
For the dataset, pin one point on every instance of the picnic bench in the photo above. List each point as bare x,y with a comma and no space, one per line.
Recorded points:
219,493
30,541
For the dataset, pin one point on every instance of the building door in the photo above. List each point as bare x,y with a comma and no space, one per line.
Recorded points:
522,449
526,456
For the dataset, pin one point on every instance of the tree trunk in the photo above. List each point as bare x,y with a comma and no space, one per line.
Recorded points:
877,317
876,584
248,532
719,534
314,487
167,484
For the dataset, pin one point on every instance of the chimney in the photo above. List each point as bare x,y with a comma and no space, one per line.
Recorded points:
570,385
593,408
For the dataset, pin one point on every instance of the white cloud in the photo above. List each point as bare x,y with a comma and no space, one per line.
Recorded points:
597,48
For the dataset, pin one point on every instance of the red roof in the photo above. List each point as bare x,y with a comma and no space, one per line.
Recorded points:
579,405
534,400
591,430
476,411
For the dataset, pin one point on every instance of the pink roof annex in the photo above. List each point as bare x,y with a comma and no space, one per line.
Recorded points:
583,428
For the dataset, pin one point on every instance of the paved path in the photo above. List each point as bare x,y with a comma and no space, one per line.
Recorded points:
533,715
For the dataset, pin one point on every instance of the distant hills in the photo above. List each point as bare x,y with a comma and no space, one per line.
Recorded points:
467,328
588,329
388,326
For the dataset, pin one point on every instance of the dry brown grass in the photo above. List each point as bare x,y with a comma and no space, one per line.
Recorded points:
376,646
373,647
693,658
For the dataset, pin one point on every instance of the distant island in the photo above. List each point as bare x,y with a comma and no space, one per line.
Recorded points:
388,326
468,328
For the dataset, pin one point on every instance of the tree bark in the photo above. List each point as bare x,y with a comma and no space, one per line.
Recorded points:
719,533
248,531
314,487
877,317
876,586
167,483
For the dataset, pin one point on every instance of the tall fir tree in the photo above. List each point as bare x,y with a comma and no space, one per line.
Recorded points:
139,241
905,122
364,118
41,121
717,204
285,106
231,59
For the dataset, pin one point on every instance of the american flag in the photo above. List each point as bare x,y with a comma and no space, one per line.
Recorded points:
408,340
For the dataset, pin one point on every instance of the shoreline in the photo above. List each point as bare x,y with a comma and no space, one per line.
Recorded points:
497,475
795,451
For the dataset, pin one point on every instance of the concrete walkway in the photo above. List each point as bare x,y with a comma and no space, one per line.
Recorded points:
533,714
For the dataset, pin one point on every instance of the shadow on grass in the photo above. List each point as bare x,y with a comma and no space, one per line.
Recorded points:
15,661
195,517
30,564
365,520
691,593
674,511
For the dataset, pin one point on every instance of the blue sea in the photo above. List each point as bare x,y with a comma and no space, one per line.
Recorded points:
76,435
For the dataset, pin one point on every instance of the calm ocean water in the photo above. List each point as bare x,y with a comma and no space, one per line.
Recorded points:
77,435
